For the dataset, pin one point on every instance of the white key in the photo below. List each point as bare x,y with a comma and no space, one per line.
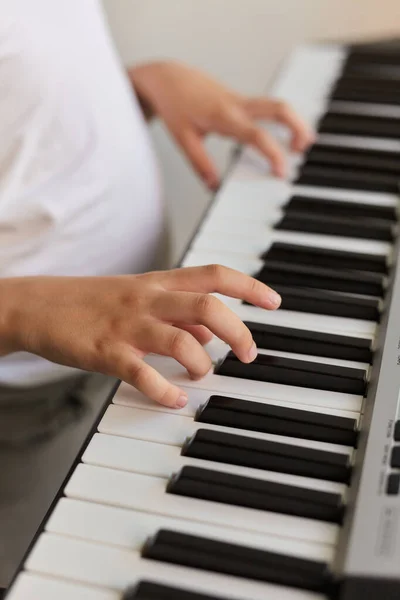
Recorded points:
127,395
302,320
354,141
115,568
262,234
264,198
177,374
253,246
130,529
369,109
148,494
39,587
172,430
151,458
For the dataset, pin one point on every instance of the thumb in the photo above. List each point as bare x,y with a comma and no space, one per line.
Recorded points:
193,146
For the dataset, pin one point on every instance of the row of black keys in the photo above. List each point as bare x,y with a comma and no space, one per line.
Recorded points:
303,373
310,278
352,167
235,413
148,590
339,218
306,276
231,559
300,373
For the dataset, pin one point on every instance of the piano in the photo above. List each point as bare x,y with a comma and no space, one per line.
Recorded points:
279,479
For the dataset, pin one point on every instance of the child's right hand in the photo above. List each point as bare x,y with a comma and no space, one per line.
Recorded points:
108,324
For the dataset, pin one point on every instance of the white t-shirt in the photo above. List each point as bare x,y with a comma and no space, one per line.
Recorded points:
79,187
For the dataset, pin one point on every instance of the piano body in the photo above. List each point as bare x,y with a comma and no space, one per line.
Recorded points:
279,479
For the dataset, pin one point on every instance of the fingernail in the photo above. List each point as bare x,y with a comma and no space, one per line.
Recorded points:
252,355
182,401
274,299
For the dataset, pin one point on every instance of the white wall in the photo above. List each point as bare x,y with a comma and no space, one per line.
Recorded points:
241,42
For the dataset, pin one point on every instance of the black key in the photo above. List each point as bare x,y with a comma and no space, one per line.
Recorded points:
255,493
395,457
397,431
369,96
364,87
278,420
364,80
241,561
393,484
365,57
325,257
288,339
301,373
147,590
340,208
268,456
364,228
328,176
360,125
325,302
353,282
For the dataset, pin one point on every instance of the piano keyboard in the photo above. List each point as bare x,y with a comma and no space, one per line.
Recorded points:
280,479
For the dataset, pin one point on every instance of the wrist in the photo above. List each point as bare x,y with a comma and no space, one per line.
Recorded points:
13,297
142,78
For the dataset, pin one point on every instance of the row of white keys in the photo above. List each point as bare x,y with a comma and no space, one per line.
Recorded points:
174,429
178,375
31,586
130,529
152,458
147,493
117,569
128,396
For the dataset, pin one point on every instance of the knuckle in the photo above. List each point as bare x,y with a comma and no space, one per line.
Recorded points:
254,286
215,272
99,357
140,375
253,135
205,306
218,113
243,336
179,342
282,108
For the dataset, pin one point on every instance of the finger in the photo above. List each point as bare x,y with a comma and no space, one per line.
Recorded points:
207,310
264,108
239,125
134,371
168,340
199,332
192,145
223,280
